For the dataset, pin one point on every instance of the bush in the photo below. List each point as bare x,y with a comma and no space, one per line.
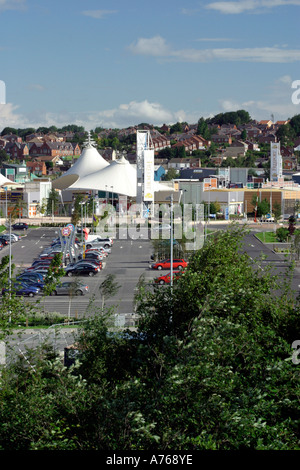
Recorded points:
282,234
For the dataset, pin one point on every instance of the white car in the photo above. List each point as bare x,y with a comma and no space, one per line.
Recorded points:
14,238
161,227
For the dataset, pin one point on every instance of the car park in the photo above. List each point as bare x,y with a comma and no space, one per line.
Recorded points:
166,264
83,269
166,279
70,288
20,226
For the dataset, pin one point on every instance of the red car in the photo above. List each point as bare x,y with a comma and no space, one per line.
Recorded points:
167,278
166,264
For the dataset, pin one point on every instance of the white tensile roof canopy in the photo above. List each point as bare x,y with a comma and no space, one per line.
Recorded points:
89,161
93,172
119,177
5,181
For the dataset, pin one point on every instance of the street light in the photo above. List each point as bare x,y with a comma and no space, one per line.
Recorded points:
171,241
82,203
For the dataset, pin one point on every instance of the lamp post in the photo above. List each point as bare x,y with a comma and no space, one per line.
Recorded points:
82,203
9,264
171,241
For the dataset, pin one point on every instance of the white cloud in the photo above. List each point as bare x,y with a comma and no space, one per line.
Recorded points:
9,117
125,115
12,5
155,46
213,39
36,87
277,101
98,14
158,47
242,6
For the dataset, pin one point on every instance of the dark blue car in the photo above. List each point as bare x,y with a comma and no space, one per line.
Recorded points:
20,288
31,281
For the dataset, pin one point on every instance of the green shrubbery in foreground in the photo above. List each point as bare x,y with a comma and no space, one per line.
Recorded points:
209,368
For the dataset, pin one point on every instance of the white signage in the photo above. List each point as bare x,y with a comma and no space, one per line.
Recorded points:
148,175
276,162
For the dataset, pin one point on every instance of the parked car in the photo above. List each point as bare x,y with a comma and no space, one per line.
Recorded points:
34,275
93,263
91,256
39,263
83,269
71,288
21,288
3,241
13,237
166,264
103,251
165,227
102,242
20,226
31,281
166,279
40,270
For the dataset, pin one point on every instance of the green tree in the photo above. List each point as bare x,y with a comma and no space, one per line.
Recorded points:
108,288
52,202
54,274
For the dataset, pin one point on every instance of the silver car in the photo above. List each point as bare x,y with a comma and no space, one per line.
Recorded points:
100,242
71,288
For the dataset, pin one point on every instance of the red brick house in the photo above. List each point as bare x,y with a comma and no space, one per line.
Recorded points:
37,168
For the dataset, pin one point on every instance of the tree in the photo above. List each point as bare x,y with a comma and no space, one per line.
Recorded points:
52,202
202,128
209,368
282,234
170,174
108,288
54,274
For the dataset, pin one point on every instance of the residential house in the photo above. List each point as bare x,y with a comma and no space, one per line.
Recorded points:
267,139
253,132
161,142
12,138
180,163
54,149
17,150
47,159
252,145
37,168
221,139
159,172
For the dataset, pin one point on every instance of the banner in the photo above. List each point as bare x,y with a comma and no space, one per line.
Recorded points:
149,175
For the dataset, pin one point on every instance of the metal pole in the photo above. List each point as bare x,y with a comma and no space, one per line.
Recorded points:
81,229
9,263
171,240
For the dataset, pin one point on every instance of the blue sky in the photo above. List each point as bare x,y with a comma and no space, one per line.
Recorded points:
119,63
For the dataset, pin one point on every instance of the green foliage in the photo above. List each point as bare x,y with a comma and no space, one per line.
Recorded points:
54,274
108,288
209,368
282,234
